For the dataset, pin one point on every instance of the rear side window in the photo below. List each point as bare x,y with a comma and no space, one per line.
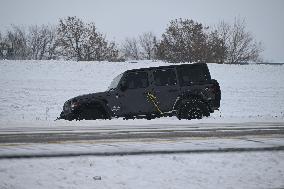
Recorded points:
191,74
136,80
165,77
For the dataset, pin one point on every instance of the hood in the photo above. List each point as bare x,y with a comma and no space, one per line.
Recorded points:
89,97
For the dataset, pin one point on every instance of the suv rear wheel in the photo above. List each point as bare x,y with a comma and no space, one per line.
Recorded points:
192,109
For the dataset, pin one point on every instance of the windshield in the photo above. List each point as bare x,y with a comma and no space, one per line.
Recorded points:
115,82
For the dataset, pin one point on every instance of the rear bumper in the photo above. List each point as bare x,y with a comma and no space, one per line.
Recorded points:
214,105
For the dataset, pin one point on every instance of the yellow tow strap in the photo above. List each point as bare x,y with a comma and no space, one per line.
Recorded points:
153,99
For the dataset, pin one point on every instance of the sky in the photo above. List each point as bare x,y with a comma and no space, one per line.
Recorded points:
119,19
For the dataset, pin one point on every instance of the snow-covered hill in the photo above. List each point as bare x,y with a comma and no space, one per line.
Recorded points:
32,94
36,90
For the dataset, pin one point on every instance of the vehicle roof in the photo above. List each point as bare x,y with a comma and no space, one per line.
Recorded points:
170,66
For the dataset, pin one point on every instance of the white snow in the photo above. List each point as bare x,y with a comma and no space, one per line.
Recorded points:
222,170
32,94
34,91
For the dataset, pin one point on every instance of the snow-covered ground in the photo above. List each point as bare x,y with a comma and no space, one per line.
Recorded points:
259,170
31,97
34,91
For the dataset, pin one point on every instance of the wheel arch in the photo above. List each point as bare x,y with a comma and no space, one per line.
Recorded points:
188,96
102,103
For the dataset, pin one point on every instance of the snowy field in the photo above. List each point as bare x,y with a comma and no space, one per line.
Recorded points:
34,91
32,95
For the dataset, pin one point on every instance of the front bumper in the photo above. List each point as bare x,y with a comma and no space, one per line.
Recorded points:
67,116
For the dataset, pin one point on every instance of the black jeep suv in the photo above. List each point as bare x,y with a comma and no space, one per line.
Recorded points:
186,91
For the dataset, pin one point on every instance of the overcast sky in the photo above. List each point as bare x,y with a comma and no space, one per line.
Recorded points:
128,18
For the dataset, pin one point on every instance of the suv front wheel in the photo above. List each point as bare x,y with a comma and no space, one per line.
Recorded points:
192,109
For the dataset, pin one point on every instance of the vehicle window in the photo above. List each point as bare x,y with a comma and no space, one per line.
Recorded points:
136,80
115,82
165,77
191,74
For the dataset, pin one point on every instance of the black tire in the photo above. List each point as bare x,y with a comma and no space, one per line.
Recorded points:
192,109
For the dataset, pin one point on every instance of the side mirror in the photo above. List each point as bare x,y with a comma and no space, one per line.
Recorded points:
123,87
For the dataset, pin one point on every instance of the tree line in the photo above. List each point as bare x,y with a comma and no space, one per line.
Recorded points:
184,40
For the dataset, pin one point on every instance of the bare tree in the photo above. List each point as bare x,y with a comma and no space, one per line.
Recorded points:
3,47
131,49
215,50
113,52
71,37
183,41
82,41
17,41
223,31
38,41
94,45
52,45
239,45
147,43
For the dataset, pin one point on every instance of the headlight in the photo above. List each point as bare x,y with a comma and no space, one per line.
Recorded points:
74,105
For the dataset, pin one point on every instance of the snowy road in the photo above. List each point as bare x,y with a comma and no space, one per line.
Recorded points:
248,161
65,141
70,133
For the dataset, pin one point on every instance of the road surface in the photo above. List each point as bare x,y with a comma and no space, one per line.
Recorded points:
109,140
76,133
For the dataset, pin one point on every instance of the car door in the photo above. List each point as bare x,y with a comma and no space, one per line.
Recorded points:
133,99
165,87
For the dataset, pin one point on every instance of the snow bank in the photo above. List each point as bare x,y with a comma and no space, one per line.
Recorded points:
34,91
